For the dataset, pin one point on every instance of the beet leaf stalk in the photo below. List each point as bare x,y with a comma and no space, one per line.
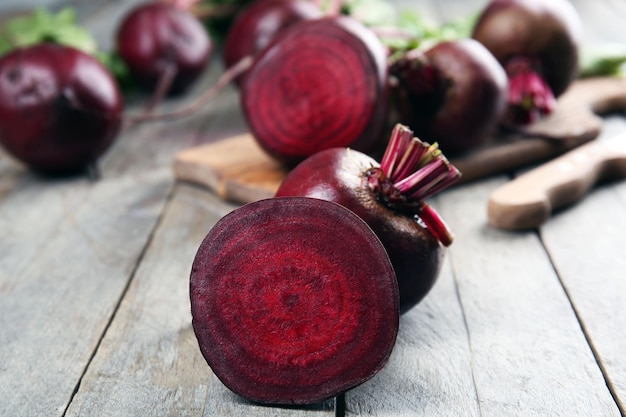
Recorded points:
410,172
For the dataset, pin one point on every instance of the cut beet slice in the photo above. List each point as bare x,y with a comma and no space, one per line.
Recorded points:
320,84
294,300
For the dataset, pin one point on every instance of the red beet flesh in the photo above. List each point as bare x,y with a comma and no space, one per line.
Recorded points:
319,84
60,109
346,176
157,37
293,300
544,36
453,94
256,25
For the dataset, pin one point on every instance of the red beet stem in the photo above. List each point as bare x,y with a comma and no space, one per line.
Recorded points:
429,179
412,171
435,224
163,85
227,77
530,96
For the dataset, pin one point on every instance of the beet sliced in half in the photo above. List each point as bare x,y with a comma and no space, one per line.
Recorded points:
294,300
320,84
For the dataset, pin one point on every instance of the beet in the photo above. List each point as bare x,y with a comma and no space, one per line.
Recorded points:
163,44
389,197
60,109
320,84
537,42
453,93
286,309
257,24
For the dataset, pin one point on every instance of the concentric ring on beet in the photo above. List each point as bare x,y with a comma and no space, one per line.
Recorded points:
319,84
294,300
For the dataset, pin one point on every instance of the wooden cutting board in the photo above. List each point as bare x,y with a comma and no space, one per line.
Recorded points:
238,170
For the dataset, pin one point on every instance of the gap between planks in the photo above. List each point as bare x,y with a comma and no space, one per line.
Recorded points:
116,308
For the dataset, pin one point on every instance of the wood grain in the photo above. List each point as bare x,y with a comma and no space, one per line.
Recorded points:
62,283
585,246
529,355
528,200
236,169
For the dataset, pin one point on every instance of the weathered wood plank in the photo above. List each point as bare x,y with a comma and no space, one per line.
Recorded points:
584,242
149,362
529,355
55,306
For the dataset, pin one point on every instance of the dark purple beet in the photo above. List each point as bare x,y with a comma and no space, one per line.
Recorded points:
60,109
286,309
537,42
453,93
257,24
408,228
320,84
157,37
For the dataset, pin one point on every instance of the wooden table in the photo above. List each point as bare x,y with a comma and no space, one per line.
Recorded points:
94,305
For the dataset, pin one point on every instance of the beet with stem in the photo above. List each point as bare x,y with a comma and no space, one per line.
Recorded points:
60,109
164,46
258,23
537,42
294,300
320,84
390,198
453,93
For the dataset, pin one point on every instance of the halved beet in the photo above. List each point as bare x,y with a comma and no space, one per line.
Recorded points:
294,300
257,24
320,84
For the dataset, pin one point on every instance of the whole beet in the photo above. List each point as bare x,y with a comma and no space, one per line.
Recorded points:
60,109
157,37
453,93
414,237
537,42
